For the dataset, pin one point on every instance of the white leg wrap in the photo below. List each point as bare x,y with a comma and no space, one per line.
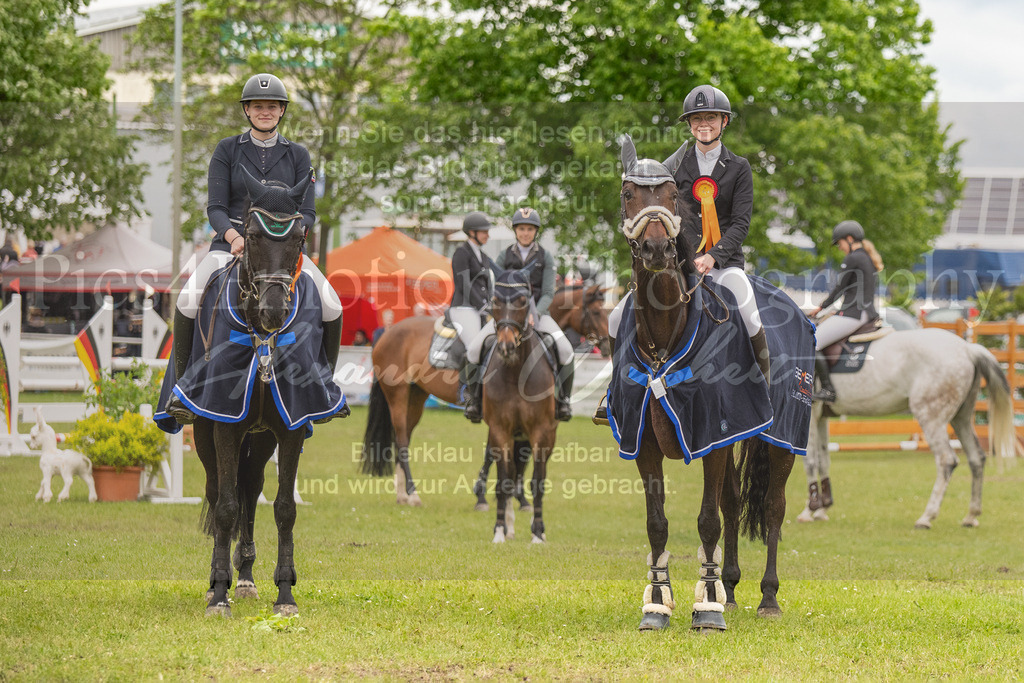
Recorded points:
658,574
706,603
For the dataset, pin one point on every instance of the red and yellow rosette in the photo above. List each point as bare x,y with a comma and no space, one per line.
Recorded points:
705,190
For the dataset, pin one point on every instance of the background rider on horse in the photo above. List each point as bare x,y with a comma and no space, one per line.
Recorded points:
527,253
857,284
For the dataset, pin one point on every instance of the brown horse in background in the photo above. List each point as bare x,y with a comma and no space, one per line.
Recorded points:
404,379
660,275
581,309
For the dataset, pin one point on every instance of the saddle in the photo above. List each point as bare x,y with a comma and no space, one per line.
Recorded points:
447,352
848,355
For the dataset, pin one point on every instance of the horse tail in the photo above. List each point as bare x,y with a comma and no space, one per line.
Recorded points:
1002,439
379,440
755,475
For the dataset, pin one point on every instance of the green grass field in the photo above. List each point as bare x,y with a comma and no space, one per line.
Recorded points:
115,590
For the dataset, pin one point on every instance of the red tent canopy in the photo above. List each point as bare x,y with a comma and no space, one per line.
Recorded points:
396,274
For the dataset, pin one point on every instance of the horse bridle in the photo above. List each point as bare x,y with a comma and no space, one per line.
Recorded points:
279,227
635,228
587,317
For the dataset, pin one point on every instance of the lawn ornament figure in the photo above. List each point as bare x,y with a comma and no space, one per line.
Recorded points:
52,460
259,376
933,374
685,384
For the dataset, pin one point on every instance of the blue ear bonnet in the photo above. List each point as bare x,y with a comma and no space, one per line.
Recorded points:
511,284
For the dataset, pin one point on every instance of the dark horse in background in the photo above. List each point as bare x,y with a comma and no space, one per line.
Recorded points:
666,295
581,310
258,342
518,402
403,379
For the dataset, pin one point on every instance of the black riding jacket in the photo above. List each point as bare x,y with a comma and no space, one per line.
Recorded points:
472,285
734,204
857,284
286,161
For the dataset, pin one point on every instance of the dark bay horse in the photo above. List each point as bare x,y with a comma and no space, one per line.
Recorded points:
403,379
258,376
518,403
751,490
581,309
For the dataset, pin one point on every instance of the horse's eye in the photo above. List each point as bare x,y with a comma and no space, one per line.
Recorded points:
627,195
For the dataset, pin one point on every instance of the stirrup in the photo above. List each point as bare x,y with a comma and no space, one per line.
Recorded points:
344,412
824,395
181,414
601,414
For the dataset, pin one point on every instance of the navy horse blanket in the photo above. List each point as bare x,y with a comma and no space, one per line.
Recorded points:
711,387
219,385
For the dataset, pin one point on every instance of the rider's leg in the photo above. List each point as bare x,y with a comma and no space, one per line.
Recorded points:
828,332
184,325
735,280
331,319
614,318
566,367
472,376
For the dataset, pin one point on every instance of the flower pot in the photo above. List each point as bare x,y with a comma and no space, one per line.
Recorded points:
114,486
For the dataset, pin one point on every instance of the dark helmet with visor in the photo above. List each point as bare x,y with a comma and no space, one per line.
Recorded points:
264,87
706,98
848,229
476,220
526,215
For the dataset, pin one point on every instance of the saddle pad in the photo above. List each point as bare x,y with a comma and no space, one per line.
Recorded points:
852,358
220,386
447,352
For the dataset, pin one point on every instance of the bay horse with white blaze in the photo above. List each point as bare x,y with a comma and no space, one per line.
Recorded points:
403,380
673,309
518,402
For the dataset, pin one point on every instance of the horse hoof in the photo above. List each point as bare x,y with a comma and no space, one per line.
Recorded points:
731,607
245,589
286,610
526,508
805,516
209,595
820,515
970,522
414,501
769,612
922,524
654,621
499,536
221,609
707,621
481,507
402,499
539,539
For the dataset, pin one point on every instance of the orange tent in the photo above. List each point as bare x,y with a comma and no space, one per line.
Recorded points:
396,274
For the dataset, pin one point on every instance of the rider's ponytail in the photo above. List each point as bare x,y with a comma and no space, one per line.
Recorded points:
876,258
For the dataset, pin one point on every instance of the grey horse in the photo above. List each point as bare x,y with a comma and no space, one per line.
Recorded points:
935,375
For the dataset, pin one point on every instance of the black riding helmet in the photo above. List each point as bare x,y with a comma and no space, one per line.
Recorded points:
264,87
476,220
706,98
848,229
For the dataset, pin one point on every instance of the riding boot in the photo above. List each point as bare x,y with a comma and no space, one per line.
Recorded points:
564,379
601,414
760,343
826,392
331,341
474,392
184,328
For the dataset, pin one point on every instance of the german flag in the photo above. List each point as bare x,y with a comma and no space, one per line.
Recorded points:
164,350
5,391
85,346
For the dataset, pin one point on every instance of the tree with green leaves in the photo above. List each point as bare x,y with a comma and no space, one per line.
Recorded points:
62,161
343,64
828,95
